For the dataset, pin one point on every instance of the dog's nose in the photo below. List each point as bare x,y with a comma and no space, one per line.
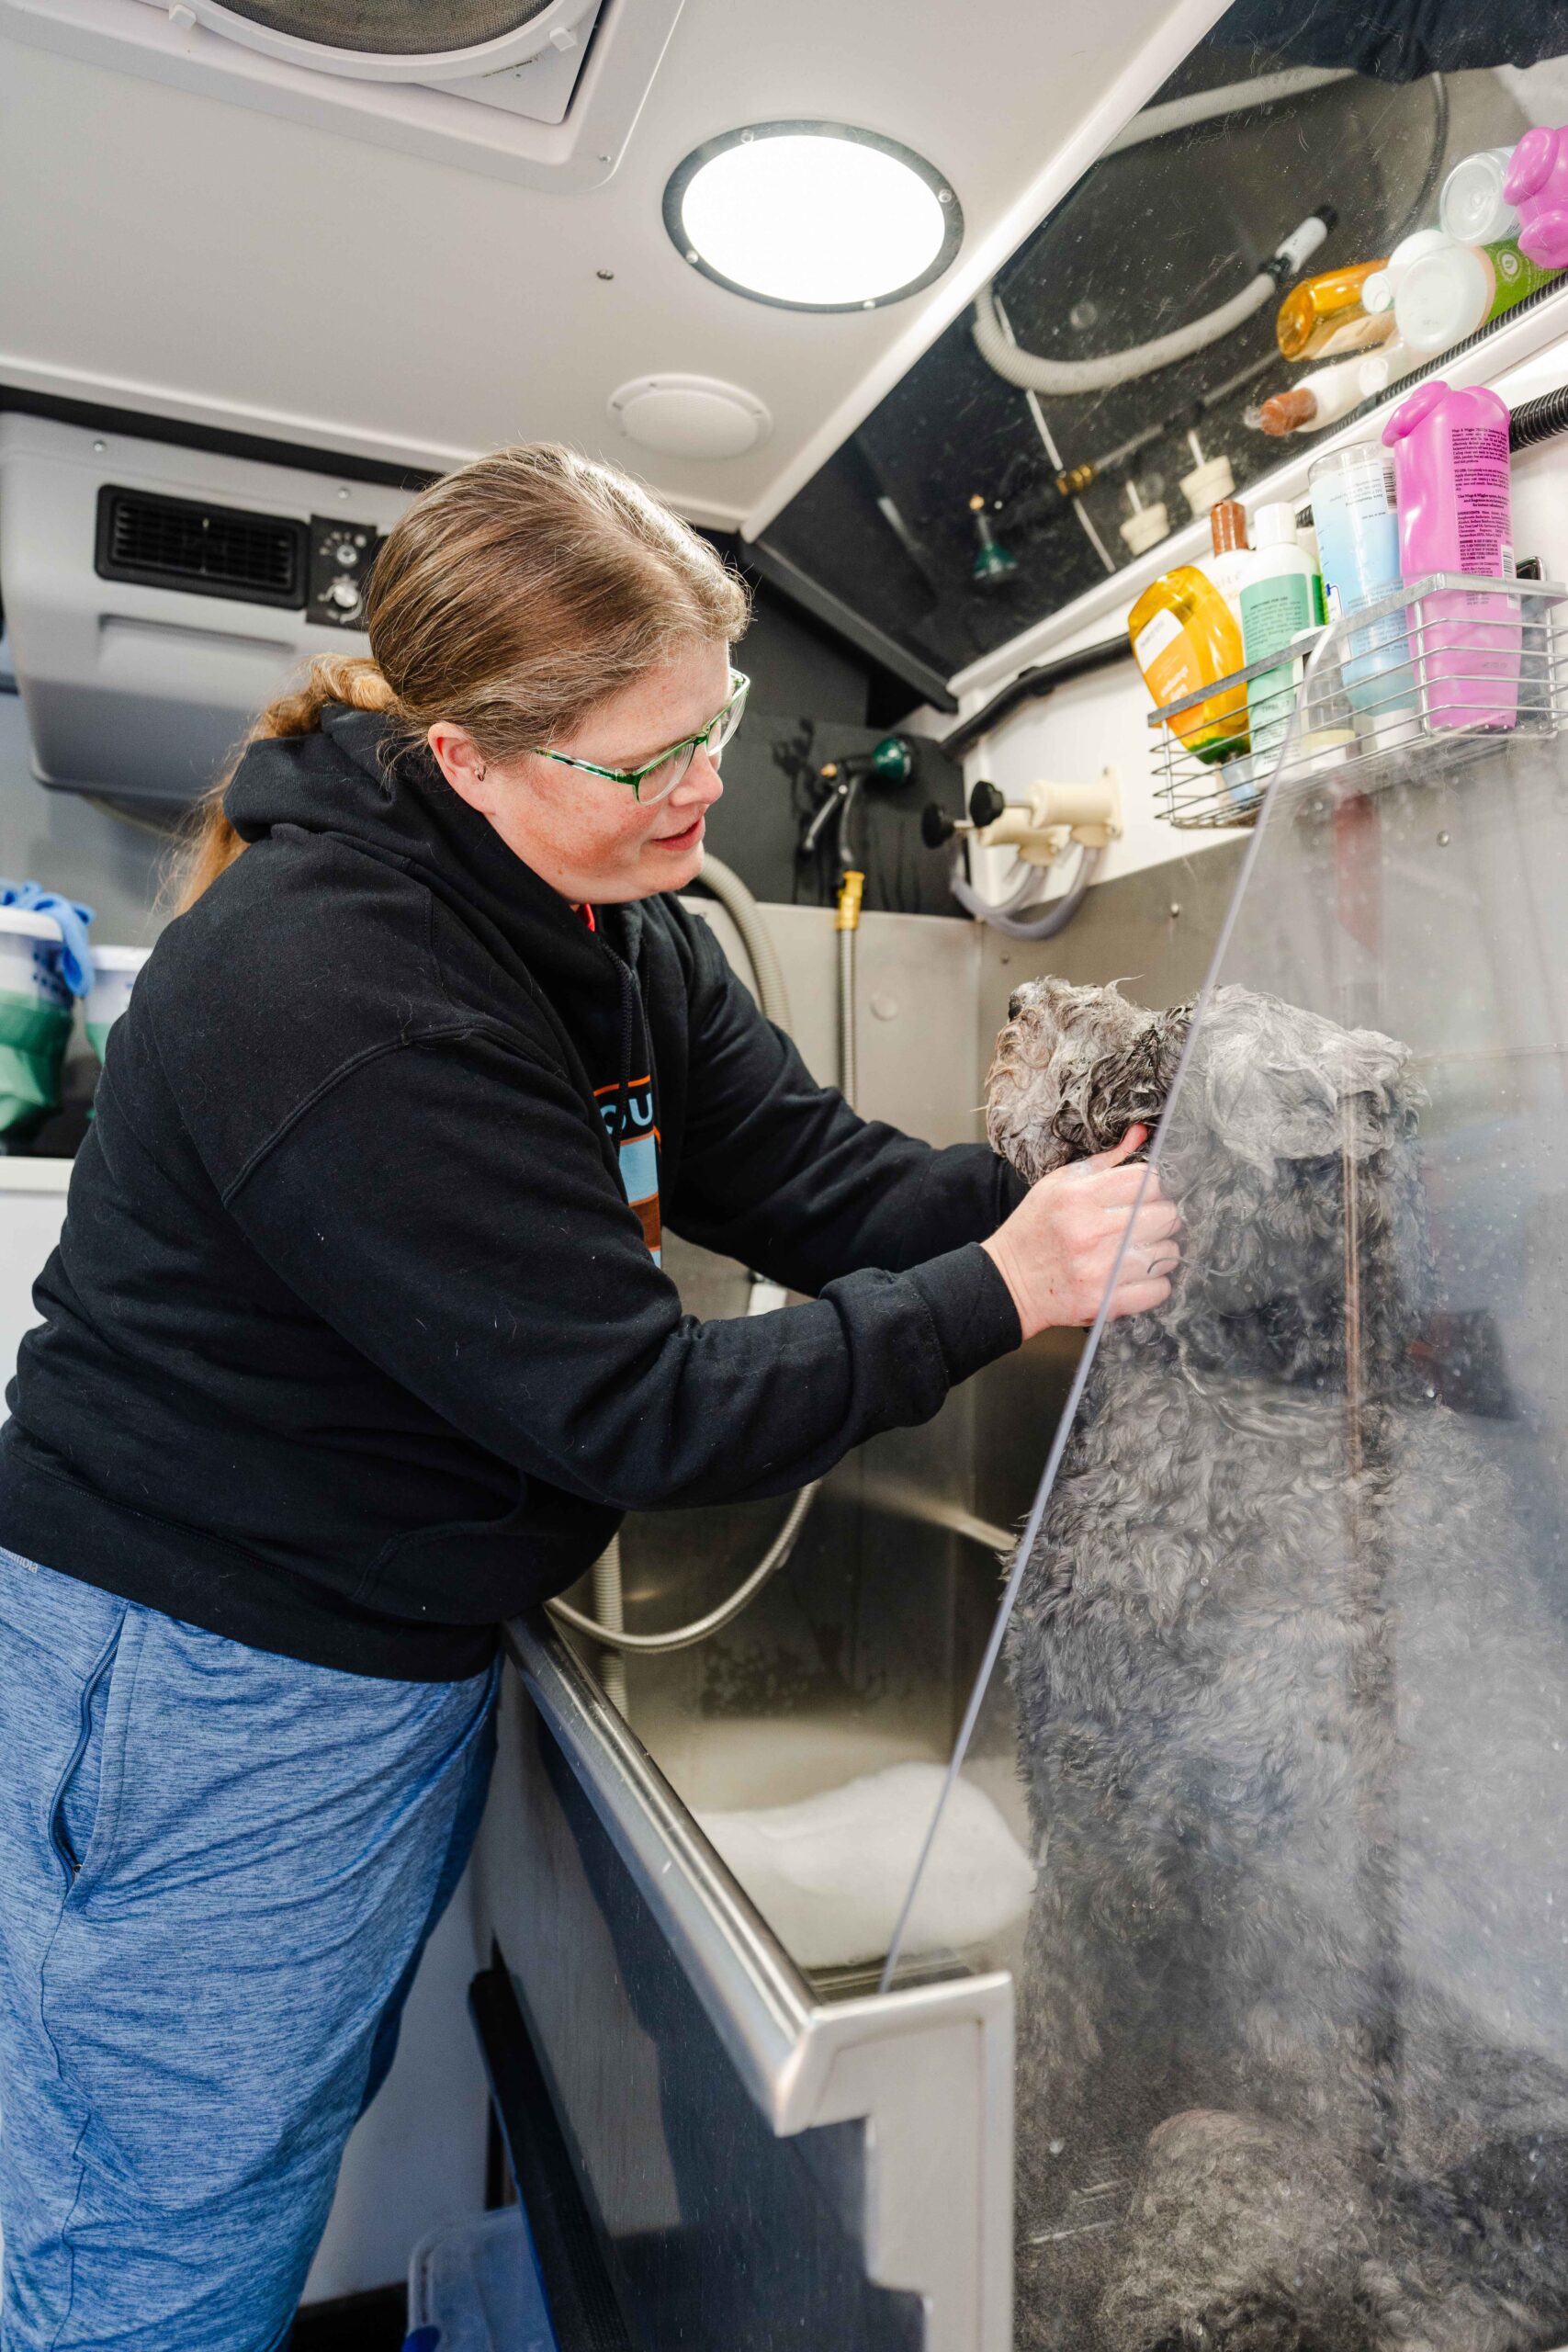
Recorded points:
1015,1004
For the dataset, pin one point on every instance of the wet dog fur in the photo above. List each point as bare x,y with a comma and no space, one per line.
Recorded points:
1293,2070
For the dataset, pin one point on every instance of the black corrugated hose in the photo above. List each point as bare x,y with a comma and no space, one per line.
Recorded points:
1540,420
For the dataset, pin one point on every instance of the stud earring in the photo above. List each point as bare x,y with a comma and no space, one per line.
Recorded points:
479,775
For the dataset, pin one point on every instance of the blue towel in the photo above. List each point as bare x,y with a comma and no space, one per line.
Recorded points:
76,960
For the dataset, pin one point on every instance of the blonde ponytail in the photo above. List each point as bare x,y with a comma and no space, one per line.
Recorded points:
212,845
509,599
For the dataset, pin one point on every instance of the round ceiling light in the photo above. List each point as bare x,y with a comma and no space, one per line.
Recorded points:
814,216
691,416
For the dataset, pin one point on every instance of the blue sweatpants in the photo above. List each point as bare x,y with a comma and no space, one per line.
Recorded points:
218,1870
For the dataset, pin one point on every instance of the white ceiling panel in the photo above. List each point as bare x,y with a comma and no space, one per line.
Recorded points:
169,252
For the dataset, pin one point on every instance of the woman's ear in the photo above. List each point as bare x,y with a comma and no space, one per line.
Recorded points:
461,763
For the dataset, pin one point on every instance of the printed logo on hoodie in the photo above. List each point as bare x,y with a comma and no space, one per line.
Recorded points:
639,1154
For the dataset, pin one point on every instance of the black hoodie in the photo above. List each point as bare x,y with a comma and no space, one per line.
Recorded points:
354,1342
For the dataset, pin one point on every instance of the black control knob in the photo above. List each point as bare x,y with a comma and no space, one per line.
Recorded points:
985,805
936,825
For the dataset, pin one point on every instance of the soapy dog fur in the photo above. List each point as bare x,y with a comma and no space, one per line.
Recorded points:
1293,2071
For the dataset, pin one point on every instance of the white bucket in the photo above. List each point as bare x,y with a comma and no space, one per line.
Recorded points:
35,1017
114,974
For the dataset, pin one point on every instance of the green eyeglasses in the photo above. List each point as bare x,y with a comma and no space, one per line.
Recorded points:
657,778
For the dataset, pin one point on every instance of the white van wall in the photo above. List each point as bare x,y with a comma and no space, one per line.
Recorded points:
62,840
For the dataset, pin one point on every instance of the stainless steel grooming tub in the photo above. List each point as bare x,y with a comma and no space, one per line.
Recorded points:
761,2166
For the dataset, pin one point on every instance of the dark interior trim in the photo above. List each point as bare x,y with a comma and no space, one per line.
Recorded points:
585,2312
847,624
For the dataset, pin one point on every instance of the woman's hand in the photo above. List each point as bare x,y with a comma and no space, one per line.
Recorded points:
1056,1250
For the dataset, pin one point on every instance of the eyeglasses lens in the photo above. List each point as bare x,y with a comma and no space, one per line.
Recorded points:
660,781
724,732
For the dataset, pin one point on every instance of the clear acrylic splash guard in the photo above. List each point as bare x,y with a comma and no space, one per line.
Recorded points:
1281,1680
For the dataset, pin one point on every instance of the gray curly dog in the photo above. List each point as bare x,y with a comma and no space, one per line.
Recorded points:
1293,1711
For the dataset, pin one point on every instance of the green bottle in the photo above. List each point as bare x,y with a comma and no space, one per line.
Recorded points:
1281,594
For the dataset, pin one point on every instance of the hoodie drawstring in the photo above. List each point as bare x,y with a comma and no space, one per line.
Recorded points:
630,1006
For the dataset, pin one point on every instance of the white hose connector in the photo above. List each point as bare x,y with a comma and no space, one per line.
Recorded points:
1038,827
1061,377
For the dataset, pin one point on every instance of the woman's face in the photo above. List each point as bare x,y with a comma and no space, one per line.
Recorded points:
587,836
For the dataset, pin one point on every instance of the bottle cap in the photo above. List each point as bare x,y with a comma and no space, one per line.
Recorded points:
1275,525
1443,297
1410,413
1287,412
1533,182
1378,369
1381,288
1529,164
1355,458
1473,209
1227,525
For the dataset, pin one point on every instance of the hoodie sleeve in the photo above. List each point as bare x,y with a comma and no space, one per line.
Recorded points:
450,1212
780,1172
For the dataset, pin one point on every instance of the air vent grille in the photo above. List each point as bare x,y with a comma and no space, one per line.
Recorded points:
205,550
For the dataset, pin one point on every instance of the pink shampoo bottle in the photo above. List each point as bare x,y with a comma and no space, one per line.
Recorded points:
1451,475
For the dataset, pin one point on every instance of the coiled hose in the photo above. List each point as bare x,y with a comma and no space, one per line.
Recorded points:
1030,373
684,1637
607,1624
1027,371
1001,917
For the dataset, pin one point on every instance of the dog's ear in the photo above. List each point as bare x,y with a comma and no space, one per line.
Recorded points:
1281,1083
1122,1089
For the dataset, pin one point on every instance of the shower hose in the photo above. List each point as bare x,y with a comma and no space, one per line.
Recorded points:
1030,371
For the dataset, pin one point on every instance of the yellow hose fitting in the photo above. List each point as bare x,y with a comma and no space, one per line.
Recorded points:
851,892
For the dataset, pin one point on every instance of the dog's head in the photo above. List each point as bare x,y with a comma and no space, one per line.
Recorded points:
1281,1112
1074,1069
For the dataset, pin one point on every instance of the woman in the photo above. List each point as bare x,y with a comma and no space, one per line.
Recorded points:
356,1343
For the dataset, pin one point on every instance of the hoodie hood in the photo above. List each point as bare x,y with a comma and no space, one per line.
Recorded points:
352,781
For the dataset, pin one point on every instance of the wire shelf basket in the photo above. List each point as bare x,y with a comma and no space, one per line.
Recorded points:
1444,665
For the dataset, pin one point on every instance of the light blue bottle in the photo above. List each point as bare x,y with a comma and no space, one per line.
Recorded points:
1357,546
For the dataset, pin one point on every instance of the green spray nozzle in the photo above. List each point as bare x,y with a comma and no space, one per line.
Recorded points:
891,761
993,563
